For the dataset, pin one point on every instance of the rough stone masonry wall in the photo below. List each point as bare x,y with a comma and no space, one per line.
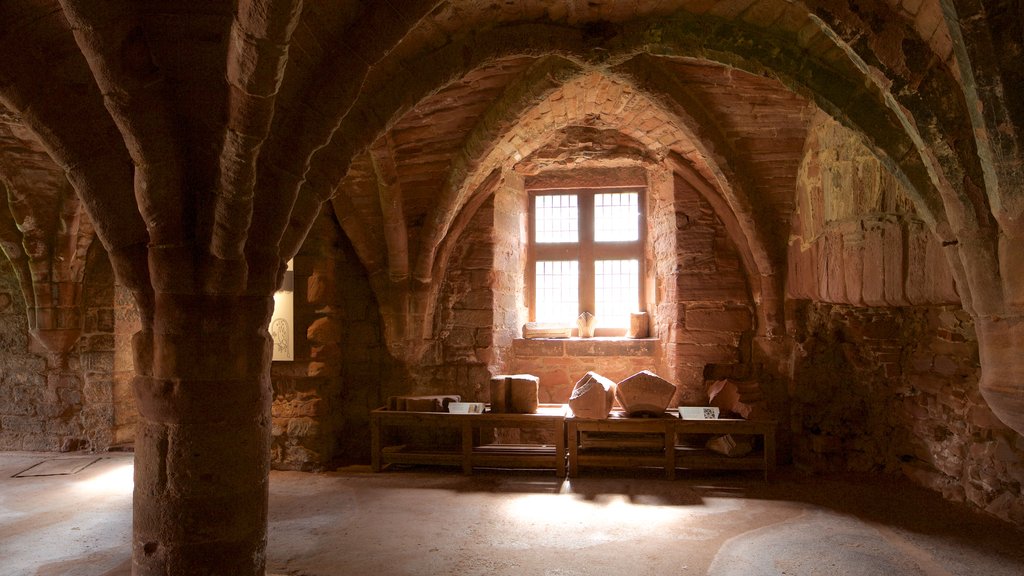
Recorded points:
96,350
368,373
706,306
509,269
50,403
700,302
896,390
466,315
126,323
856,236
560,363
306,409
22,374
322,400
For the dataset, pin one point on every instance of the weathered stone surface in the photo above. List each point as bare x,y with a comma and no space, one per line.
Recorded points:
638,325
515,393
422,403
199,204
644,393
927,419
737,399
592,397
546,330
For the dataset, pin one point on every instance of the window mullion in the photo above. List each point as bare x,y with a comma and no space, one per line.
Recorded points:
586,203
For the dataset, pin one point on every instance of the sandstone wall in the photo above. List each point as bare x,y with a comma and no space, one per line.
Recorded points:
697,298
51,403
22,374
896,390
322,400
464,328
561,363
126,324
509,269
96,353
704,303
856,237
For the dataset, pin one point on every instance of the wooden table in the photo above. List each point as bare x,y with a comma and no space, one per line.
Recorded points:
621,442
472,453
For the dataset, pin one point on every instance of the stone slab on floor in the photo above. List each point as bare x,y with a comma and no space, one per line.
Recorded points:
57,467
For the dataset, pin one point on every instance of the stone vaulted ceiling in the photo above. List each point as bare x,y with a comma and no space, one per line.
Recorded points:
241,120
201,139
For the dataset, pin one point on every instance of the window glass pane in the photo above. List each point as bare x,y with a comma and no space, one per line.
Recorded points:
616,217
557,291
616,287
556,218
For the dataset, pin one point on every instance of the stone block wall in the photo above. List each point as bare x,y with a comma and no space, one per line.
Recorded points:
896,390
126,324
22,374
465,319
323,398
96,354
50,402
856,237
560,363
509,268
704,304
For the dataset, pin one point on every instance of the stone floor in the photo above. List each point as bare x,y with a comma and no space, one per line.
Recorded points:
435,522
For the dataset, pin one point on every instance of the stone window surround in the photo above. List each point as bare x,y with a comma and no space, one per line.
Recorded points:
587,248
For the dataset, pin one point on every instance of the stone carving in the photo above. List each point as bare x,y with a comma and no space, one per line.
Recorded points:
585,322
645,394
742,399
516,393
638,322
437,403
592,397
546,330
730,446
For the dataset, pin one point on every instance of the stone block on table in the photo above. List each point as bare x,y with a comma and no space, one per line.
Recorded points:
645,394
515,393
435,403
592,397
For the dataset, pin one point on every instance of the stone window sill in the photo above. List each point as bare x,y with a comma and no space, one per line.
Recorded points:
597,346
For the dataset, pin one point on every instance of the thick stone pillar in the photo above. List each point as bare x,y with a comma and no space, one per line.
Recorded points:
203,444
1001,347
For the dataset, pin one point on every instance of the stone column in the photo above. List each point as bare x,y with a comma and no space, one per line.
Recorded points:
1001,348
203,444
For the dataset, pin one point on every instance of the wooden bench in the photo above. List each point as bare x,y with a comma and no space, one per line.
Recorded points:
471,452
666,442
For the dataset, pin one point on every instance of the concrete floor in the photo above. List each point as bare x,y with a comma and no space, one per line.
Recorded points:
434,522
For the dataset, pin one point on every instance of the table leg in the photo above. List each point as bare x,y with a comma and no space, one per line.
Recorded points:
375,442
670,451
560,450
467,447
574,450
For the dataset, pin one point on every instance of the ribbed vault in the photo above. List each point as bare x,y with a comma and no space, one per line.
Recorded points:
201,138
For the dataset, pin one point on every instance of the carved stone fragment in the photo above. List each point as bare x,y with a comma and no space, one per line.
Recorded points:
437,403
592,397
546,330
638,322
645,393
515,393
